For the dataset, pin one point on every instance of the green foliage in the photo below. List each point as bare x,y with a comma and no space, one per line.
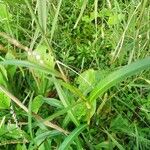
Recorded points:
84,65
71,137
37,103
4,101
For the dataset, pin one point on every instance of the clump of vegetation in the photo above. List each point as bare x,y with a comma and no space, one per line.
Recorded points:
74,74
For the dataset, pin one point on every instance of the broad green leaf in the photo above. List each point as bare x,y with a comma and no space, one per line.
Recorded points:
28,64
119,123
3,12
11,131
81,111
86,80
4,101
37,103
115,19
10,69
46,56
42,52
114,78
118,76
70,138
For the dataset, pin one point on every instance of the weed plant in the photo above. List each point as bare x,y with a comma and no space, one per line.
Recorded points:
74,74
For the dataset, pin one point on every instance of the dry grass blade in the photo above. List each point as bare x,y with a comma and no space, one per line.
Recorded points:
39,118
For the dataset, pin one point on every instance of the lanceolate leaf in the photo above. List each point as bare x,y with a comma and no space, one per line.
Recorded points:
118,76
71,137
42,13
22,63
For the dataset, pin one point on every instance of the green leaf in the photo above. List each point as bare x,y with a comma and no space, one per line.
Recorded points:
37,103
28,64
116,77
73,135
10,131
10,69
42,13
3,12
4,101
115,19
53,102
86,80
46,56
64,99
3,76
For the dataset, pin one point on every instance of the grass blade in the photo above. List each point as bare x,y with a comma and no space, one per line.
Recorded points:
118,76
22,63
65,101
55,20
69,139
42,14
81,12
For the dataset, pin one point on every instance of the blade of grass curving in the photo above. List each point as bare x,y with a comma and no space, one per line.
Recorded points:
55,20
73,135
42,14
81,12
118,76
22,63
65,101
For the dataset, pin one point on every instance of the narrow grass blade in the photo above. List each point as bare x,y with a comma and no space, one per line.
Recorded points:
42,14
38,25
65,101
69,139
118,76
22,63
81,12
53,102
55,19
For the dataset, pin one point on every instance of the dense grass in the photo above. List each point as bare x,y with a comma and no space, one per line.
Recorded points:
74,74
